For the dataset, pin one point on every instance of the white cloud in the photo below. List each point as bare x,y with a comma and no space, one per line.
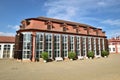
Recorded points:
15,27
101,3
61,9
69,9
112,22
7,34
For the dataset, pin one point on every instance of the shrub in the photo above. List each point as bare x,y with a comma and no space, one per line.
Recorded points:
44,55
90,54
71,55
104,53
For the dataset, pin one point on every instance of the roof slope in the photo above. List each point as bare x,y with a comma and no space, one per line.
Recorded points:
63,21
7,39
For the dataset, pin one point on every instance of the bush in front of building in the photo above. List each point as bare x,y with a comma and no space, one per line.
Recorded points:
104,53
71,55
90,54
45,55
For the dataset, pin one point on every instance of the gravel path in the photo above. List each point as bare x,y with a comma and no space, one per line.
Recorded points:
96,69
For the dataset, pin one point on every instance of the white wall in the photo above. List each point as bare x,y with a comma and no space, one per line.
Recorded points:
111,48
2,49
118,46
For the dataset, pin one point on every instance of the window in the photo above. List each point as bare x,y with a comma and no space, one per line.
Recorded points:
113,49
26,46
89,44
72,43
6,51
109,49
48,44
49,27
0,47
39,44
57,45
94,42
78,46
64,29
65,45
84,46
77,30
13,50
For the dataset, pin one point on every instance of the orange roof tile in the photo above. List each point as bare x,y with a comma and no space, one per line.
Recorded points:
7,39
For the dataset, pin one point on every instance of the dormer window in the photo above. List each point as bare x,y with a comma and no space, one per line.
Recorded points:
64,29
77,31
49,27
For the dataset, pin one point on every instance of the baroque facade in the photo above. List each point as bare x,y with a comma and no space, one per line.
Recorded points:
57,37
114,45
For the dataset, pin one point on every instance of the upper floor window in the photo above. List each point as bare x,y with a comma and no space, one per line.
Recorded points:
64,29
49,27
77,31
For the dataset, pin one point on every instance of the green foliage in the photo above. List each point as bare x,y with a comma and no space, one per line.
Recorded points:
104,53
90,54
44,55
71,55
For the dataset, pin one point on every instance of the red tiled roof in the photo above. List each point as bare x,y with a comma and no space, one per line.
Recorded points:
63,21
7,39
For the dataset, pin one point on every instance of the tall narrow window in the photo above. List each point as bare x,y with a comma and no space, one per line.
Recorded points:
6,51
48,45
65,45
84,46
0,47
72,43
78,46
26,46
57,45
39,44
89,44
94,43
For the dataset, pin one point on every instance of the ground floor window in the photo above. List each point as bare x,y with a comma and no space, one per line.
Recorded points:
6,51
58,45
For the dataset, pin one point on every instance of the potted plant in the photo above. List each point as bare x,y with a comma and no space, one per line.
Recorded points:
71,55
45,56
104,53
90,54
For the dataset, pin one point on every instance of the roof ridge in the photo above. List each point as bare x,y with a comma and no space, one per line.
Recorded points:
66,21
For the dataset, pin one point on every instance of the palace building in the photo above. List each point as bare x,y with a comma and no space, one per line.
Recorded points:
7,47
57,37
114,45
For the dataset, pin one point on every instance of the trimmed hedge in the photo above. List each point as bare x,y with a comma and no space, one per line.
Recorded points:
71,55
90,54
104,53
44,55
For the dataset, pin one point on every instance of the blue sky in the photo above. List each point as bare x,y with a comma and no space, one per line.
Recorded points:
103,14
